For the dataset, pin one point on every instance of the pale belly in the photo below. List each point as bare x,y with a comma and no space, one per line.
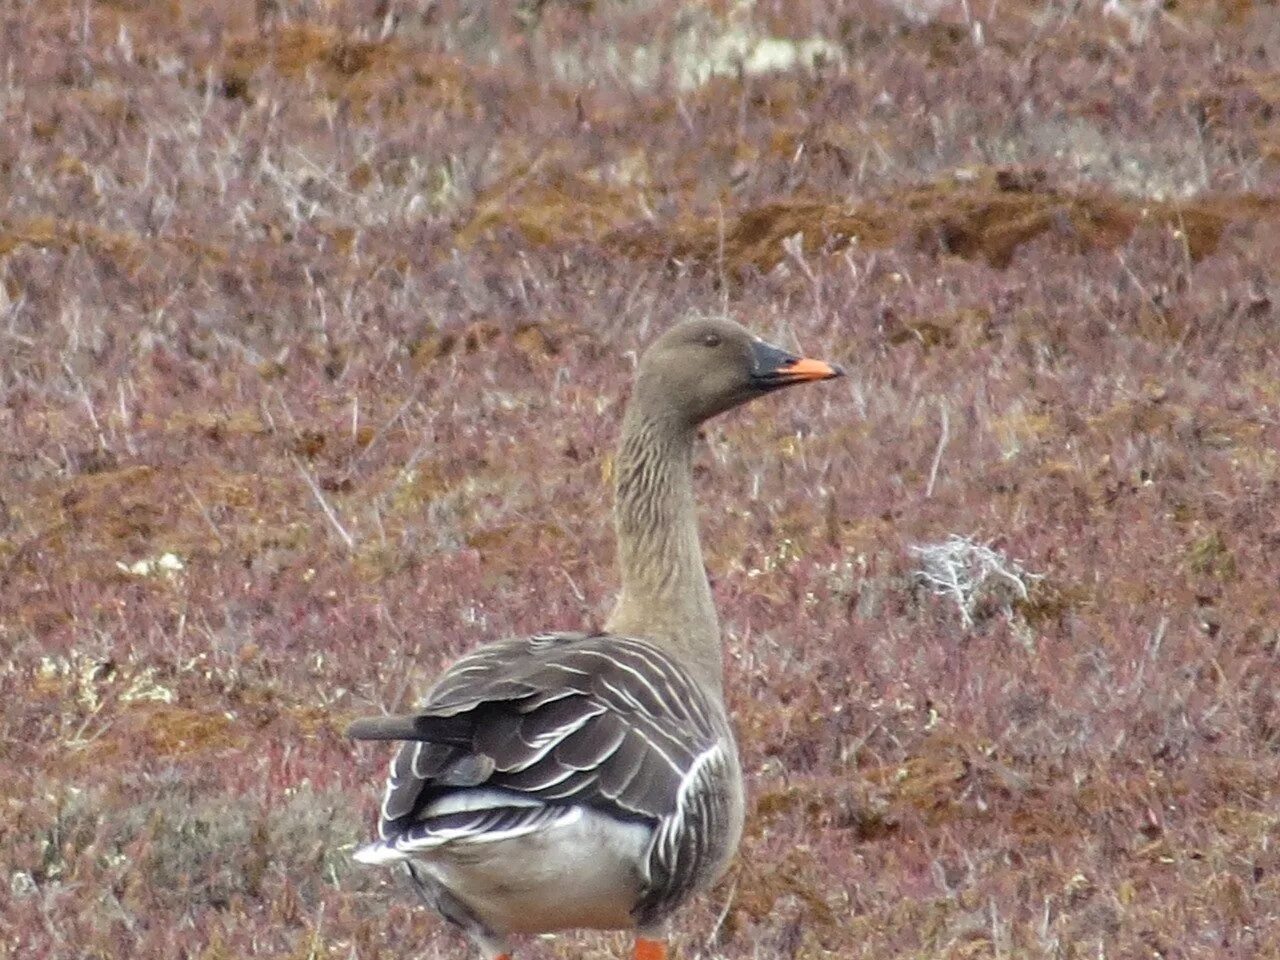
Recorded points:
582,874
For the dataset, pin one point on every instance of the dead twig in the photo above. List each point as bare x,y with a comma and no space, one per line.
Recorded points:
329,513
943,439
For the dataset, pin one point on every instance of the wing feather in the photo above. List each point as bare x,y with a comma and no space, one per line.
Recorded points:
561,721
624,766
590,747
556,721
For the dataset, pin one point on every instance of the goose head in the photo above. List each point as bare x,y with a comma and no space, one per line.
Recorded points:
701,368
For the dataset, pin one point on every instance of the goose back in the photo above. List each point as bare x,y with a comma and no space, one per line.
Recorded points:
559,720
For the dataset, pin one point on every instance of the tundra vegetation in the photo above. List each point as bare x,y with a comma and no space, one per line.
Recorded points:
317,319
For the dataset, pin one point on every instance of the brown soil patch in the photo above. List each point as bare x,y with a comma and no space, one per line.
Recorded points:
358,72
561,209
133,255
533,340
46,233
154,730
987,215
98,524
172,731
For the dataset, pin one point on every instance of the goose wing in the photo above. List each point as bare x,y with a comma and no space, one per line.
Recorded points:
522,733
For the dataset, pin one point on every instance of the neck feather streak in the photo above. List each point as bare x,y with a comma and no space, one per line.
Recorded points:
665,595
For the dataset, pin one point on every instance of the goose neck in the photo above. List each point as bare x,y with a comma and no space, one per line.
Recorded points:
665,595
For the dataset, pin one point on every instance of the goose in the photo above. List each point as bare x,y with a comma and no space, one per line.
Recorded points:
591,780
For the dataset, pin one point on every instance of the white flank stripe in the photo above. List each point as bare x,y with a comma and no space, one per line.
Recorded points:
464,801
571,815
374,854
690,779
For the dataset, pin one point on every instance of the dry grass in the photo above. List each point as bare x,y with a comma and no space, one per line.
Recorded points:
316,322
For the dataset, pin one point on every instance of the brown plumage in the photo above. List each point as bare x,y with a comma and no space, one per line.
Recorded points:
592,780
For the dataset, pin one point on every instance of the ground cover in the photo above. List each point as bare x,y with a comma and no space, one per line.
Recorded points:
316,323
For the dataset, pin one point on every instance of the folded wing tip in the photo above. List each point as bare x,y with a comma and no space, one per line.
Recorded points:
362,729
382,728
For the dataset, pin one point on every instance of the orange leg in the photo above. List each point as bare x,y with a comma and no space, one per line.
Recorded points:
650,949
503,956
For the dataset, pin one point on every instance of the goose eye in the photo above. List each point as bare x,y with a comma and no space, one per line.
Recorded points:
711,340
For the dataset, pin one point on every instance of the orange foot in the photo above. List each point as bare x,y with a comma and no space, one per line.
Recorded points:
650,949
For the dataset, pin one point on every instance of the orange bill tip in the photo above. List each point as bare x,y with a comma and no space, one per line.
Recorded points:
809,369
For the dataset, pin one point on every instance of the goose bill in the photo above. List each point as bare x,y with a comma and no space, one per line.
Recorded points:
772,368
